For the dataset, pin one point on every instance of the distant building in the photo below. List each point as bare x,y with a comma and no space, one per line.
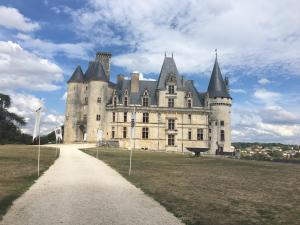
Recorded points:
171,114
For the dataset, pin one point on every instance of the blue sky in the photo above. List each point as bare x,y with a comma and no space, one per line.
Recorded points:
258,42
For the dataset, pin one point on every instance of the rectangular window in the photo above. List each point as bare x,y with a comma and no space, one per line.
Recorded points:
98,117
99,100
222,122
145,101
189,103
171,139
113,132
209,123
145,132
200,134
171,124
125,101
125,116
86,100
171,89
114,117
190,135
209,130
124,132
222,135
145,117
171,102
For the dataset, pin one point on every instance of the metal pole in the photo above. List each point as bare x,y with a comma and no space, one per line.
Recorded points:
182,132
132,134
39,153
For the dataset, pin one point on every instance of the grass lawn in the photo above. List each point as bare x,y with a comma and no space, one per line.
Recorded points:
214,190
18,170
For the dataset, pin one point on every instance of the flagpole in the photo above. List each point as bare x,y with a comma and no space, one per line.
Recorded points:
132,134
39,153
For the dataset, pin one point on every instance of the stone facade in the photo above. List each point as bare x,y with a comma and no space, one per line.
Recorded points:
170,114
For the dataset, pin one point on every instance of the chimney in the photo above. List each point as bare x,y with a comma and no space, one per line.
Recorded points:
104,59
135,76
120,77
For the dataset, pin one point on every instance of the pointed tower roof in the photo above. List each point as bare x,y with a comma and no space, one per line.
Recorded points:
168,68
77,76
95,71
217,86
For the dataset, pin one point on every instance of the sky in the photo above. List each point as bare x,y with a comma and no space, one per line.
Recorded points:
258,42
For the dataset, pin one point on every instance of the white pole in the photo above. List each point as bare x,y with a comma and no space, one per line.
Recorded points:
39,152
132,134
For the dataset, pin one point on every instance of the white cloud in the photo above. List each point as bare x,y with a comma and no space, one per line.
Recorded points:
268,97
264,81
25,105
247,33
13,19
49,49
22,69
237,90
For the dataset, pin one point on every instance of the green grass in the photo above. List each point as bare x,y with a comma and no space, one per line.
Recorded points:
18,170
214,190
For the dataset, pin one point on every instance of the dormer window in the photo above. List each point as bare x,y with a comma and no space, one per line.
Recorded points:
189,103
125,97
171,89
115,101
145,99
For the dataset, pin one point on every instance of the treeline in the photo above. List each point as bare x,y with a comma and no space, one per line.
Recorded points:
243,145
10,124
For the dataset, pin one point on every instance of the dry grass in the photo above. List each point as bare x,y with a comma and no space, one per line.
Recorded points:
214,190
18,170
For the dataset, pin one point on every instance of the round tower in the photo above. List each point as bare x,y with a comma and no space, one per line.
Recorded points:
73,107
219,102
97,76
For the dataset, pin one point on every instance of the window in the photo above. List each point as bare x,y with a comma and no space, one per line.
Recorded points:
171,89
171,124
98,117
124,132
222,135
209,130
200,134
125,101
84,117
114,116
145,117
145,101
222,122
125,116
86,100
113,132
99,100
171,139
189,103
190,116
190,135
145,132
171,102
115,101
216,123
209,123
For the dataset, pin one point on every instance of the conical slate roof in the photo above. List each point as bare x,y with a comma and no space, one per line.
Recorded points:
95,71
168,67
77,76
217,86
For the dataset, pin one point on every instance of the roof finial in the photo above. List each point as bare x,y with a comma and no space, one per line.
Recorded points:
165,54
172,54
216,50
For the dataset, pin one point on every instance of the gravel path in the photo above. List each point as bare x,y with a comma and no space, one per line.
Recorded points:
79,189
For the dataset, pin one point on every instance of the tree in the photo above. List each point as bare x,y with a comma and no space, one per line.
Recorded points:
9,122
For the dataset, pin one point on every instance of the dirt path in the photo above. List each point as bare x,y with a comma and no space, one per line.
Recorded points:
79,189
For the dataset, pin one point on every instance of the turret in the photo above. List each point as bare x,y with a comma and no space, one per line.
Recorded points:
219,102
73,105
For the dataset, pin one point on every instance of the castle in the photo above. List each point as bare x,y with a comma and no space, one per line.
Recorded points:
169,114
